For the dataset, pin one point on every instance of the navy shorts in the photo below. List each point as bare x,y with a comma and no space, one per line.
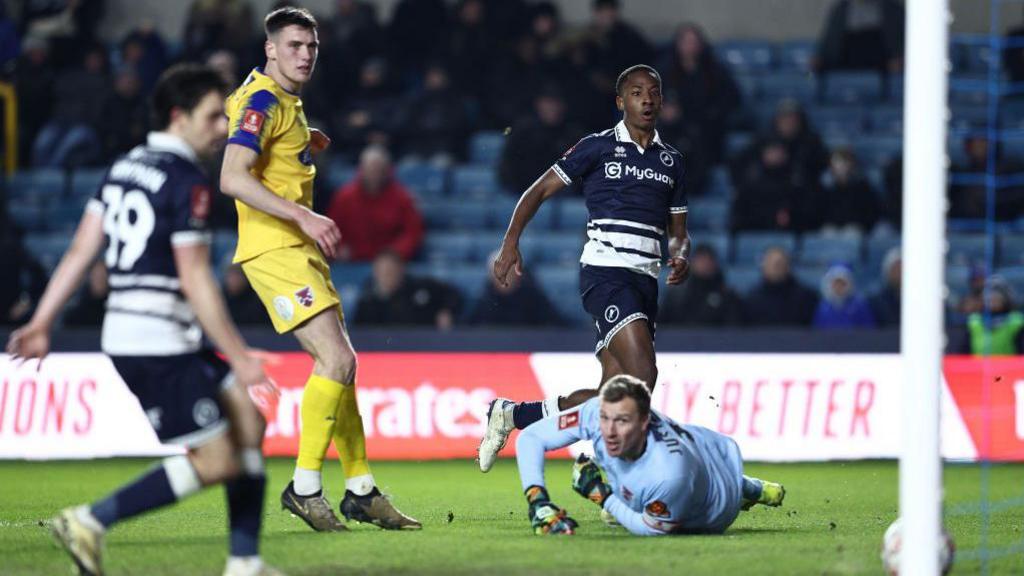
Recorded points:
615,297
180,394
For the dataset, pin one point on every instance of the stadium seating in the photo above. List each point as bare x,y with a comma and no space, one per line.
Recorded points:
749,246
39,186
572,214
719,242
709,214
818,249
561,284
852,87
796,55
85,182
453,247
1011,250
743,279
746,55
875,249
965,249
338,174
47,247
486,147
551,247
475,182
886,120
779,85
846,121
425,180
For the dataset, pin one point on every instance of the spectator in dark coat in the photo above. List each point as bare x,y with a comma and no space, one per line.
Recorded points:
433,124
34,77
536,142
375,212
218,25
767,196
807,153
243,303
521,302
417,34
144,51
91,305
841,307
698,90
779,300
862,35
368,118
613,45
885,303
71,137
704,299
348,39
394,298
892,211
847,201
971,200
24,279
470,48
128,106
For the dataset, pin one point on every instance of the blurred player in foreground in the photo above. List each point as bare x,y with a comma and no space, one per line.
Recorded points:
633,185
663,478
268,169
149,218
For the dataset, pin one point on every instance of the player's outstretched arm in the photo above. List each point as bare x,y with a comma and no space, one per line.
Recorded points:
538,438
203,294
678,249
509,259
237,181
33,339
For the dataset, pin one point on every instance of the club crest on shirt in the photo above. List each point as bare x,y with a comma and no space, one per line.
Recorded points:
667,159
657,509
252,122
569,420
200,205
304,296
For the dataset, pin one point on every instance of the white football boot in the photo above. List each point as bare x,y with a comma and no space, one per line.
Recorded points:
83,542
499,426
252,566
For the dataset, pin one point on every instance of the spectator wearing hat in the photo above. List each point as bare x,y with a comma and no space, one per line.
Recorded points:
998,330
885,303
841,307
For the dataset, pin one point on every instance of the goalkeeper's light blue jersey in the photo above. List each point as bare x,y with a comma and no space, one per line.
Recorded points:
688,480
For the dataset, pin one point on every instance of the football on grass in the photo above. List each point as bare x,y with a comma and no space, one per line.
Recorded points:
892,545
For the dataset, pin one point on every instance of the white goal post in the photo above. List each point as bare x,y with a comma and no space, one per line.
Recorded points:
921,328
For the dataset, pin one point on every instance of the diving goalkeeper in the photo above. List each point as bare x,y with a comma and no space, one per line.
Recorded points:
662,477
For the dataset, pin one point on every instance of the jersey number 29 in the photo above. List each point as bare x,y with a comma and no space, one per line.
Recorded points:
128,222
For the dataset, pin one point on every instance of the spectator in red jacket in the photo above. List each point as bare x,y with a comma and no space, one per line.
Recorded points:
375,212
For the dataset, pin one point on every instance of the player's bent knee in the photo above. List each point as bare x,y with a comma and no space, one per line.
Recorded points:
215,462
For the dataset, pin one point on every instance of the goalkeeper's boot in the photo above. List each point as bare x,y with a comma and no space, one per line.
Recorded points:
375,509
499,426
83,542
314,510
772,494
253,566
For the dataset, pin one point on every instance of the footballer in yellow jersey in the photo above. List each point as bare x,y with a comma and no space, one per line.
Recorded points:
283,247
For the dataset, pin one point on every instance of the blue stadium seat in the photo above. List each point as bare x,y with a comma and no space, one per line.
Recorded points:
719,183
973,57
502,207
737,142
745,55
749,246
425,180
28,216
1015,277
844,120
749,85
475,182
552,248
47,248
894,88
709,214
350,273
796,55
886,119
39,186
720,243
822,250
561,284
967,116
572,215
85,181
877,150
743,279
338,174
1013,146
469,279
779,85
66,215
222,250
435,214
453,247
486,147
810,275
852,87
957,279
1011,250
469,215
965,249
876,248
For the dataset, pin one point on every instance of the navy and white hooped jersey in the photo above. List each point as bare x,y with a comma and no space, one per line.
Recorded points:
152,199
630,193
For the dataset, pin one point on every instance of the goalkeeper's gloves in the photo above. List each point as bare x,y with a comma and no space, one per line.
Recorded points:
587,481
547,518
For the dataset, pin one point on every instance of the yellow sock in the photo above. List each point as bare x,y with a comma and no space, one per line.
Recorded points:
349,439
319,408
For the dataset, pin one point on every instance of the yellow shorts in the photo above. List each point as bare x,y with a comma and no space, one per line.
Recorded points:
294,284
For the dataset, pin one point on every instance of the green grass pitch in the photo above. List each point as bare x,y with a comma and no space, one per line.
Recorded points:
832,523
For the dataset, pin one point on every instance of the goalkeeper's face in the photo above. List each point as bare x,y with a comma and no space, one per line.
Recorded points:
623,429
294,49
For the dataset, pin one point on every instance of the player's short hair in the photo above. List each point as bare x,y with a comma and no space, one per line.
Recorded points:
183,86
625,386
621,81
288,16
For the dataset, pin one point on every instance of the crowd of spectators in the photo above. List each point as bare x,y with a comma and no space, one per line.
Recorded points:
414,87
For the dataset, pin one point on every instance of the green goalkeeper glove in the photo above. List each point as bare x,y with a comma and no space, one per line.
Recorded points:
587,481
546,517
